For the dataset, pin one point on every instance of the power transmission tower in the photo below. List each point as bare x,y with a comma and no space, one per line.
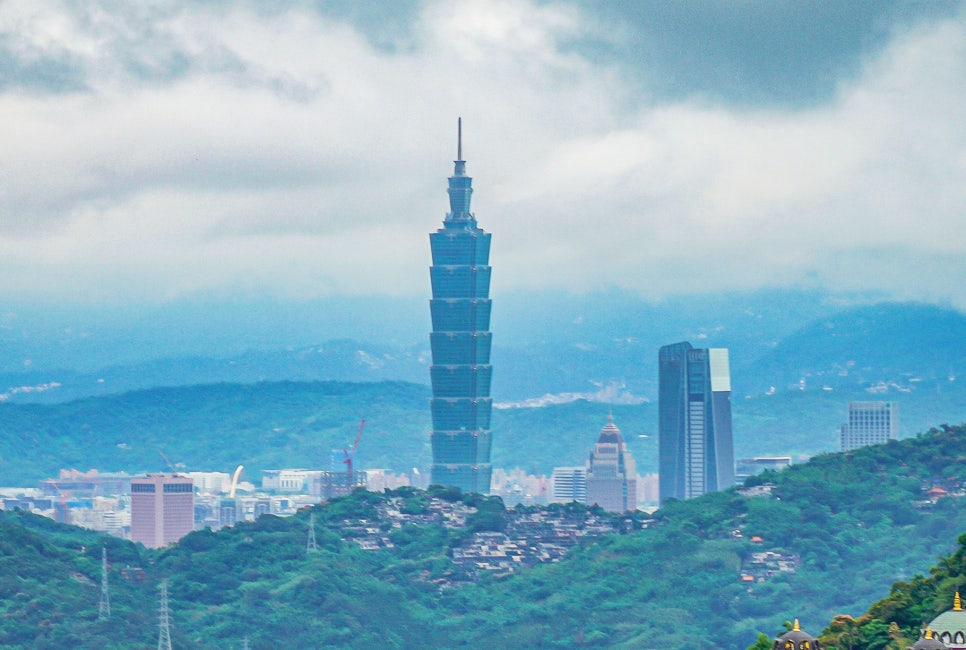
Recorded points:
311,546
164,620
104,611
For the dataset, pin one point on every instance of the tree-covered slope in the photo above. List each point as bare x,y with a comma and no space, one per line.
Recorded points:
849,525
50,588
909,607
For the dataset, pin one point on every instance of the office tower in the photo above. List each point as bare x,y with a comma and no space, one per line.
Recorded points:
694,427
162,509
870,423
228,513
262,507
460,342
611,473
569,484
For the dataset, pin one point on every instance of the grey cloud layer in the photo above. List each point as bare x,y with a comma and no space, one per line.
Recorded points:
192,147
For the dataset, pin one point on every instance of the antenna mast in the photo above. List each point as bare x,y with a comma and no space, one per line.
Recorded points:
311,546
459,138
164,620
104,610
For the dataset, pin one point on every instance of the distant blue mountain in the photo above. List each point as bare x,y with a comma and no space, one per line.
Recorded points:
887,346
600,346
790,391
544,342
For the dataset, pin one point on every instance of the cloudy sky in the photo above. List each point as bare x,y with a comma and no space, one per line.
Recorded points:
167,149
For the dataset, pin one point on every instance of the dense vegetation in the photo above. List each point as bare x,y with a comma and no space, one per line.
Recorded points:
895,621
858,522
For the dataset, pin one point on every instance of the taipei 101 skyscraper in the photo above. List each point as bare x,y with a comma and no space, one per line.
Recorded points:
460,341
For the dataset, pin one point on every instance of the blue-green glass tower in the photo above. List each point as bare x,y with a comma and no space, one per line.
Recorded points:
460,341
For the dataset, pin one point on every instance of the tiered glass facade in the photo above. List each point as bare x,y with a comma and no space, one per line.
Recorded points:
460,342
694,428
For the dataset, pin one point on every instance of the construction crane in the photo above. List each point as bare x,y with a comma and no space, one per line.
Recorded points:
61,514
170,464
349,455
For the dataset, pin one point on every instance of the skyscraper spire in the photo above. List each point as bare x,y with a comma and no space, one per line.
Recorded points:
460,188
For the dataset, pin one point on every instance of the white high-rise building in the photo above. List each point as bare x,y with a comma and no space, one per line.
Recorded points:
569,484
870,423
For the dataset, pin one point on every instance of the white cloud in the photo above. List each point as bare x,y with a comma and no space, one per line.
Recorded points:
226,149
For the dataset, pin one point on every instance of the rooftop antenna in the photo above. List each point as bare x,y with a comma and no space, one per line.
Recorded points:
104,610
459,138
311,546
164,620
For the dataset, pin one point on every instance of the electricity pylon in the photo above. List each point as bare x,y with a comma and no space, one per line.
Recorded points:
104,610
164,620
311,546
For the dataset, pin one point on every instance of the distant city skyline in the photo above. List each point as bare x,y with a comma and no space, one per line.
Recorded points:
215,150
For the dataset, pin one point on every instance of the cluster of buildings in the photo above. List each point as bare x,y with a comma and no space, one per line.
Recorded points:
159,509
531,536
696,452
695,428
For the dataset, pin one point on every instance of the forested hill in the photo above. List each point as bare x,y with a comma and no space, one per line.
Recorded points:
909,607
217,427
838,532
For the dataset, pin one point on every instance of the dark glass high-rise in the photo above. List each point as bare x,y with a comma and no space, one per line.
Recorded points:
460,341
694,421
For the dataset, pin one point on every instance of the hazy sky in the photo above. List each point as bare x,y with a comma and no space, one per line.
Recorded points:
164,149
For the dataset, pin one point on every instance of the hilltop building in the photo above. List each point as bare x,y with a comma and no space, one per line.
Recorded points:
745,467
870,423
694,428
929,641
460,342
950,626
611,473
796,639
162,509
